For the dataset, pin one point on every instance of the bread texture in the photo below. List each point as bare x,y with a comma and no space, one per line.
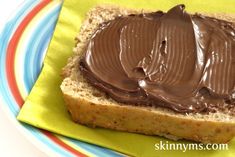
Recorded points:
91,107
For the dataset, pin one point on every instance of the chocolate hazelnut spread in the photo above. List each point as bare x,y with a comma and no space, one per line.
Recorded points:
175,60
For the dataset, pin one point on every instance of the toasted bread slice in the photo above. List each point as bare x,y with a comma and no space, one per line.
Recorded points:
92,107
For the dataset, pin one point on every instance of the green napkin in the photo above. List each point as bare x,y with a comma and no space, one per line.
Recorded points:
44,107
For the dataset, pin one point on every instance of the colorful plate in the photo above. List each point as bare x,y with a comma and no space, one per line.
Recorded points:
23,44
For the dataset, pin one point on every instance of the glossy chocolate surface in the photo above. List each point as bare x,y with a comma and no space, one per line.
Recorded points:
175,60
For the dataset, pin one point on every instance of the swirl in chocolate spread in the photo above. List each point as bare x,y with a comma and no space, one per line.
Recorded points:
175,60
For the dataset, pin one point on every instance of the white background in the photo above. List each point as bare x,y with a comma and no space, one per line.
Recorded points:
12,142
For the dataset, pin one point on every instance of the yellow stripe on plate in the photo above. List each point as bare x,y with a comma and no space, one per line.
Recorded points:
22,45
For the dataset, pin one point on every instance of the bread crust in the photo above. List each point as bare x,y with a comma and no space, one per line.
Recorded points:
96,110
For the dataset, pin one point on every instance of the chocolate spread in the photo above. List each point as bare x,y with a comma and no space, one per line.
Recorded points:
175,60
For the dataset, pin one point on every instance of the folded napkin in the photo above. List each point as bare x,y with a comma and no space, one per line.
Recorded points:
44,107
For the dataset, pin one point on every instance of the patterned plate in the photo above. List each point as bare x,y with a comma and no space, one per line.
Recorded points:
23,43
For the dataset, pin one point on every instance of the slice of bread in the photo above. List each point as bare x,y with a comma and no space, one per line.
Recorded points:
92,107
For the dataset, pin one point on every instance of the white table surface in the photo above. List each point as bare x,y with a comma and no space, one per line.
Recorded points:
12,142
